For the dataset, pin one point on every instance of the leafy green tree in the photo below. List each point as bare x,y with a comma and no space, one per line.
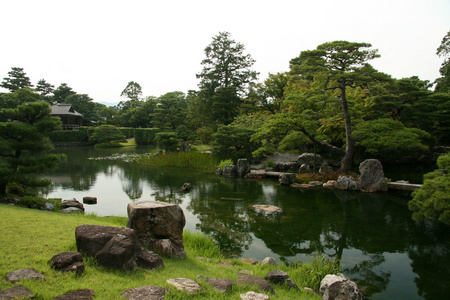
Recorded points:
225,77
347,67
443,83
170,111
16,79
234,142
133,92
44,87
107,134
20,96
205,134
387,138
432,200
85,105
23,145
62,92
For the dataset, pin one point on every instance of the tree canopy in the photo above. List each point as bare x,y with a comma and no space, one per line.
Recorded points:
16,79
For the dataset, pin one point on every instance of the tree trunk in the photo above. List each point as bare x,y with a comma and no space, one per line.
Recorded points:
346,163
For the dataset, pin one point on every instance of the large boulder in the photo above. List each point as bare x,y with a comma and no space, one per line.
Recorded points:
242,167
229,171
72,203
280,278
286,178
339,287
159,226
113,247
309,159
372,176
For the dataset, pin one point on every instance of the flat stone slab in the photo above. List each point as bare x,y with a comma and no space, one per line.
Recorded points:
85,294
403,186
265,209
16,292
258,282
145,292
254,296
221,285
23,274
184,284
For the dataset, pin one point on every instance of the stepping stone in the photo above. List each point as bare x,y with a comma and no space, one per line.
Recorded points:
86,294
185,284
265,209
90,200
221,285
254,296
67,262
16,292
23,274
145,292
269,261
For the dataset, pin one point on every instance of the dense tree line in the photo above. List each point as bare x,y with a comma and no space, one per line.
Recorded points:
331,100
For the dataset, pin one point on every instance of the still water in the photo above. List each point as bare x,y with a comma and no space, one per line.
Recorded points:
379,246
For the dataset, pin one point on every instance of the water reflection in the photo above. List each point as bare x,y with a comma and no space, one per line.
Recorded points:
372,235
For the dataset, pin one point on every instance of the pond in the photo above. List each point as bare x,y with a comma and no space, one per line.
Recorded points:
373,235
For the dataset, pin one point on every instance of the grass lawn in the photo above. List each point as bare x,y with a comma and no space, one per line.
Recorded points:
30,238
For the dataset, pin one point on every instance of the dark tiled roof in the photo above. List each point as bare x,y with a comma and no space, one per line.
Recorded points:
64,109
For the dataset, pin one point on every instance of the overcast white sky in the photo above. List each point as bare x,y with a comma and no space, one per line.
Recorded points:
97,46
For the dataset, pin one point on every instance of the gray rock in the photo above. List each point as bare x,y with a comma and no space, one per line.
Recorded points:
68,262
325,169
261,284
242,167
23,274
71,210
145,292
309,158
304,168
148,260
218,171
331,184
49,206
184,284
221,285
159,226
347,183
269,261
229,171
286,178
280,278
339,287
85,294
16,292
72,203
265,209
113,247
254,296
372,176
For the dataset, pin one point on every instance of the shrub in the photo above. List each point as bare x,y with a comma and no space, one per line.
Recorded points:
106,134
224,163
167,141
128,132
69,136
38,202
145,136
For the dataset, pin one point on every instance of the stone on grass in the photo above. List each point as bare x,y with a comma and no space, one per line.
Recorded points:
280,278
16,292
254,296
159,226
248,261
149,260
265,209
85,294
221,285
23,274
258,282
113,247
71,210
339,287
184,284
72,203
67,262
268,261
145,292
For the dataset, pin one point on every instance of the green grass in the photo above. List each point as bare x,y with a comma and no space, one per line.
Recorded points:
193,159
29,238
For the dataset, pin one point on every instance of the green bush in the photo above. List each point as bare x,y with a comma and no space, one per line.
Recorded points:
234,142
106,134
68,136
38,202
224,163
168,141
128,132
145,136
